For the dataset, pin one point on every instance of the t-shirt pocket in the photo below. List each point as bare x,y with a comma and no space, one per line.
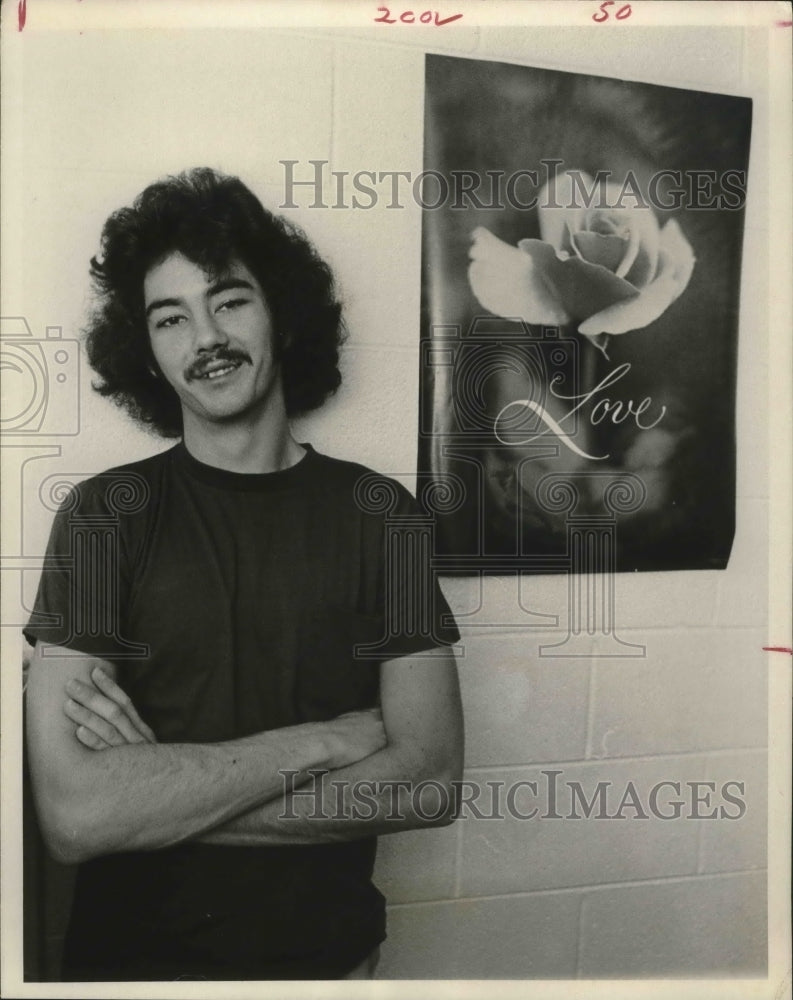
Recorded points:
332,677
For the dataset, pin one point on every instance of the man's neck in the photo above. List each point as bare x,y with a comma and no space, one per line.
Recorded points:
243,448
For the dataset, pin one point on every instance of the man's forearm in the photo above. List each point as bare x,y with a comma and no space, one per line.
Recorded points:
148,796
137,794
388,792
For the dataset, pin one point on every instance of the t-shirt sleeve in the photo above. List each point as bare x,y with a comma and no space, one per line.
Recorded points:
81,591
417,616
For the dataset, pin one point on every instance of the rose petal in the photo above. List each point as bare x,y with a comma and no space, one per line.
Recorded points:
608,214
510,283
642,270
556,224
581,288
639,224
615,222
643,267
675,264
608,251
568,247
598,222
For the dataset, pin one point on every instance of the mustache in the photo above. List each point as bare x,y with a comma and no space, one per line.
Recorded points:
227,354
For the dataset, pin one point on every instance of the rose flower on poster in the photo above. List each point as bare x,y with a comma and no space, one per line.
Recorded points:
610,268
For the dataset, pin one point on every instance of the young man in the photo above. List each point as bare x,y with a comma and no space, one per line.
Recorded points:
218,591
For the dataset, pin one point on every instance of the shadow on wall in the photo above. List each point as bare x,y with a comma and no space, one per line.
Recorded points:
47,896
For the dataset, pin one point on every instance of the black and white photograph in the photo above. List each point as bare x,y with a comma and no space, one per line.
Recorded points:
396,455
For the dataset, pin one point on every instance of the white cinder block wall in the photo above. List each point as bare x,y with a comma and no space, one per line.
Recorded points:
511,898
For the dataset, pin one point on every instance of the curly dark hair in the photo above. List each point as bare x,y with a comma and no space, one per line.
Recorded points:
212,219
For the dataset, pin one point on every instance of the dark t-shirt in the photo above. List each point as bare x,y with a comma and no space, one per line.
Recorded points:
231,604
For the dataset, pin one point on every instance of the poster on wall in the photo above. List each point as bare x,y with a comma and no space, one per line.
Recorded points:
581,263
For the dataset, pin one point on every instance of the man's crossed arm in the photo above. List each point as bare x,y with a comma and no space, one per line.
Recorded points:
138,794
407,784
142,795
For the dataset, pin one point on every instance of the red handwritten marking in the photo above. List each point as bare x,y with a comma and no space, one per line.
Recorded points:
409,17
784,24
603,15
778,649
21,14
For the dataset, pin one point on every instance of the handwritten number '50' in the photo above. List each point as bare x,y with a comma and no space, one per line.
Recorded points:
603,15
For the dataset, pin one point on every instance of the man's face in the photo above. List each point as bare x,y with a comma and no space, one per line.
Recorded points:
213,339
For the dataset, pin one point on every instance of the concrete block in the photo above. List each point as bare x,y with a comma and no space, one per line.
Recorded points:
562,846
737,844
743,586
665,600
522,937
528,606
520,709
714,927
378,394
174,100
695,690
417,864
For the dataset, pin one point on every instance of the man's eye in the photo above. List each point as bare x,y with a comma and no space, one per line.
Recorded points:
167,321
231,304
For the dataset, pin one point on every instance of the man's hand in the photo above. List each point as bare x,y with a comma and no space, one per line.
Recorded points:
104,714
